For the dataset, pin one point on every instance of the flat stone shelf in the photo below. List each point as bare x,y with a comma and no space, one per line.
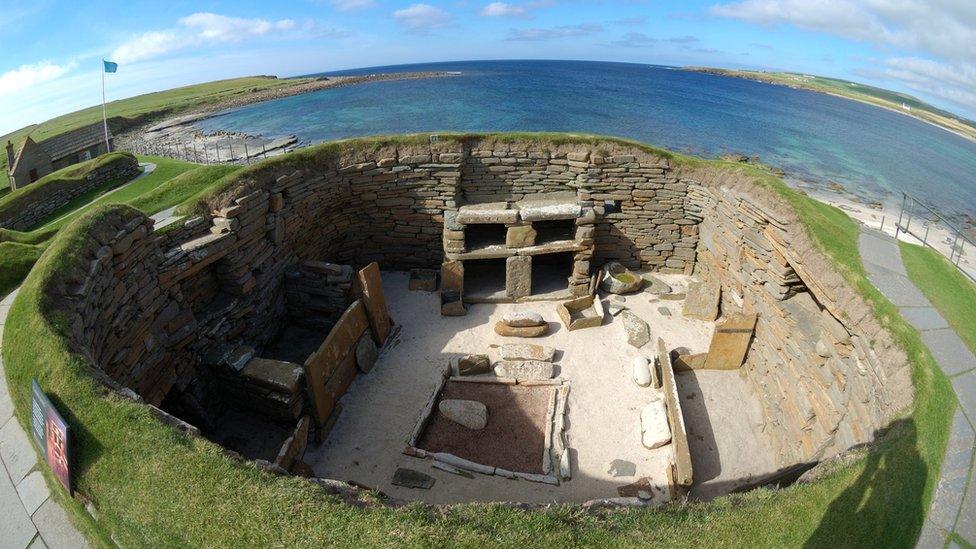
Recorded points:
499,252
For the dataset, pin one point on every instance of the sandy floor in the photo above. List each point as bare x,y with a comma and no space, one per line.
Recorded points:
603,427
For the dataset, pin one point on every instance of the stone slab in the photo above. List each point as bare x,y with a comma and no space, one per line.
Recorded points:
371,284
949,351
323,364
33,491
489,212
16,528
703,300
931,537
965,387
16,450
955,470
899,290
966,525
518,277
730,342
6,404
409,478
55,527
880,250
924,318
276,375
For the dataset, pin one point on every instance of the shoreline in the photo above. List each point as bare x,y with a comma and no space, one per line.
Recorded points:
757,78
178,136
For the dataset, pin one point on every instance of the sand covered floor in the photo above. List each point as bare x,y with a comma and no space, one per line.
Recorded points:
603,410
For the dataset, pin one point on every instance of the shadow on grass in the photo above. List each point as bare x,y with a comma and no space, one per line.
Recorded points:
884,506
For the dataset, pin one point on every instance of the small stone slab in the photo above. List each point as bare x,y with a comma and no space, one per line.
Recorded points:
503,329
408,478
16,450
467,413
730,342
654,285
366,353
520,236
518,276
524,319
703,299
638,332
489,212
472,365
542,208
16,528
672,297
55,527
655,431
527,351
276,375
664,311
622,468
524,369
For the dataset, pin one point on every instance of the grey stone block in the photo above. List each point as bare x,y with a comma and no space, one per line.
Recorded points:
55,527
16,450
931,537
949,351
16,528
955,470
880,250
518,276
965,387
33,491
899,290
924,318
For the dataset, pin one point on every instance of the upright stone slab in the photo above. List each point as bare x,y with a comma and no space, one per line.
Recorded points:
703,299
375,301
518,276
452,288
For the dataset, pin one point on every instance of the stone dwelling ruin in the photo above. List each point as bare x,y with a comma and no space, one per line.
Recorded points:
267,325
32,160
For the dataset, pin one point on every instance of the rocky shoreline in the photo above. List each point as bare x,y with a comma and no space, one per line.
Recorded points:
178,137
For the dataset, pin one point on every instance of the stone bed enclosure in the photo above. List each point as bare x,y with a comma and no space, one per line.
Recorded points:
157,311
34,203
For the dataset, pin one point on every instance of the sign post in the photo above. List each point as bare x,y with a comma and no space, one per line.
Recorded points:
51,435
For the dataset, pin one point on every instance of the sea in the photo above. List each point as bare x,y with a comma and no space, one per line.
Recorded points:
818,140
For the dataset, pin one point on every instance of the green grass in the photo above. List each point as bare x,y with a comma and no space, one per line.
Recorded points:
182,188
125,114
155,487
65,177
16,260
950,291
166,169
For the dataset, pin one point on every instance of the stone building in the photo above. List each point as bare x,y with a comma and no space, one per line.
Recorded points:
33,160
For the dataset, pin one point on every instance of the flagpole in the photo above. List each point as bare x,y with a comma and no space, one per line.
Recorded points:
108,147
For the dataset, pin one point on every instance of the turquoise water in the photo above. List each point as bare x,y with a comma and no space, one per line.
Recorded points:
813,137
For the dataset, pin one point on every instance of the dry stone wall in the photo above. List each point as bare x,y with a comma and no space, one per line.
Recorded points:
827,374
154,307
30,209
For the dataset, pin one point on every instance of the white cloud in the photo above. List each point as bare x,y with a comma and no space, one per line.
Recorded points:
347,5
212,26
563,31
147,45
939,34
422,16
26,76
501,9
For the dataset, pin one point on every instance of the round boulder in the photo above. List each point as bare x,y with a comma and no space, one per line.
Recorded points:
467,413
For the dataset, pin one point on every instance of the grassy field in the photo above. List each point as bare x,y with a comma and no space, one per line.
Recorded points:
126,113
950,291
153,486
858,92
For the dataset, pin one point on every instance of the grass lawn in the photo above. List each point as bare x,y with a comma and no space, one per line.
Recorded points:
166,169
125,113
950,291
155,487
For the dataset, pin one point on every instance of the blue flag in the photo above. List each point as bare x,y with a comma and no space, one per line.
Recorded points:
110,66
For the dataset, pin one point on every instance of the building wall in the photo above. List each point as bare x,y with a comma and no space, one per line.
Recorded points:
32,157
79,156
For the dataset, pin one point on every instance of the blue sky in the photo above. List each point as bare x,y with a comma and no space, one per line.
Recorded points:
52,49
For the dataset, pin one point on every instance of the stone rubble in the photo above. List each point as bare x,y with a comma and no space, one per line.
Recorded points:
468,413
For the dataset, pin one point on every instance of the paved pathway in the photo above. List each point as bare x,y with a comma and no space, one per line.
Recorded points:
29,517
954,505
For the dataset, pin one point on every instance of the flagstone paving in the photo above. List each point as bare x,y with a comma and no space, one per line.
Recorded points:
954,504
29,517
